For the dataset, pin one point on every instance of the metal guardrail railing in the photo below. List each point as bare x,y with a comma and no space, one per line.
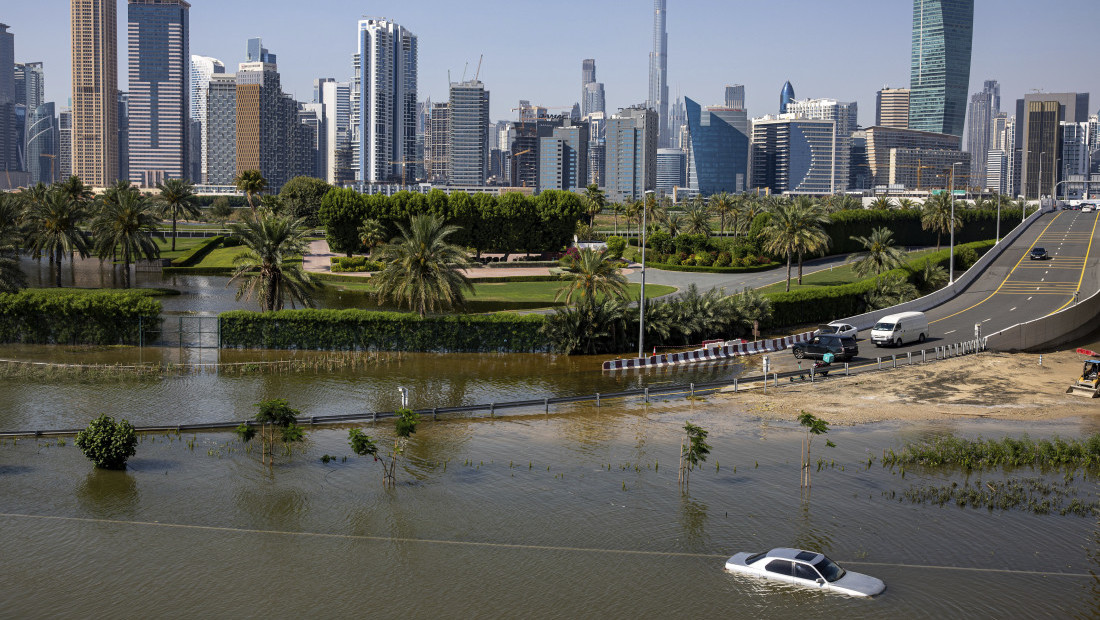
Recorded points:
647,393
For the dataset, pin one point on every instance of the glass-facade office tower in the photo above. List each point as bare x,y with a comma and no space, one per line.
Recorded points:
123,135
65,145
786,96
718,151
270,136
588,76
658,72
564,158
631,154
30,84
892,108
1039,138
671,166
202,68
943,33
844,115
384,100
735,97
219,141
95,91
794,155
882,141
43,145
160,91
335,98
7,100
984,106
468,111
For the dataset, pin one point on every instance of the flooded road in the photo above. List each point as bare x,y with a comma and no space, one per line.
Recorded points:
562,516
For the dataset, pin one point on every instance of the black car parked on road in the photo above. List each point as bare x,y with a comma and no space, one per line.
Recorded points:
842,348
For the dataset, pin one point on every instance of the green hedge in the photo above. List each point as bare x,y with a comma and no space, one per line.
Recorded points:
354,264
195,255
700,269
385,331
77,316
824,304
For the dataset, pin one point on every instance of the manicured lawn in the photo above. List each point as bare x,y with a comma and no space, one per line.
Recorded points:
220,257
522,291
841,274
182,245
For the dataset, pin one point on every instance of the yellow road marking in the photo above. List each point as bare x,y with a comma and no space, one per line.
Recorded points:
1009,273
1082,278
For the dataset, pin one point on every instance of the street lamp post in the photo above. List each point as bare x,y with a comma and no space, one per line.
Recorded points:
998,217
641,299
951,275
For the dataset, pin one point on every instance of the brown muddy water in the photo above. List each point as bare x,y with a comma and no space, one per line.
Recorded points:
570,515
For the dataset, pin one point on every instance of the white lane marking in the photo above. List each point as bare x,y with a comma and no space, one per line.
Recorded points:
1042,279
1013,309
987,320
1028,299
950,332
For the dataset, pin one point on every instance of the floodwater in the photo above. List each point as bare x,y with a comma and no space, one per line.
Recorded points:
562,516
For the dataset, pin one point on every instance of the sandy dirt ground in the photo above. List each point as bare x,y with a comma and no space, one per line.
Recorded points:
989,385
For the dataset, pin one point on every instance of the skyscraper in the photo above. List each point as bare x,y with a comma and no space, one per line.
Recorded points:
631,154
43,145
438,143
785,96
335,98
160,91
7,100
892,108
384,100
564,158
844,115
30,84
1039,138
468,110
658,72
718,152
202,68
943,34
593,99
95,91
219,142
65,144
983,108
794,155
588,76
735,97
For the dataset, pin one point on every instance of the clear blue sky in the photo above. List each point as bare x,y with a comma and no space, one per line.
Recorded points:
844,49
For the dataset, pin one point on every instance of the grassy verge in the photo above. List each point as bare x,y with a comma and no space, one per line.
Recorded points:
836,276
527,293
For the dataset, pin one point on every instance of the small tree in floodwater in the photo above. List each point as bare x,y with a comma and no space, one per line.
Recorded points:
814,426
363,445
108,444
693,451
275,416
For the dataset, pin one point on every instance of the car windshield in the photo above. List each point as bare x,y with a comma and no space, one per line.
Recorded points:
888,327
829,569
1039,250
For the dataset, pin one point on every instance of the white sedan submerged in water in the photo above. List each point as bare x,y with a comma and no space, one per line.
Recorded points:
804,568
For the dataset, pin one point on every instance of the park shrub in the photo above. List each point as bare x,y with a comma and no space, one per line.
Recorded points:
78,316
661,242
354,264
616,246
691,244
382,331
965,257
106,443
195,255
724,260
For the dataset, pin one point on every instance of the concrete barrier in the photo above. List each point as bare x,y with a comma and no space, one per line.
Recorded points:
710,354
1049,331
867,319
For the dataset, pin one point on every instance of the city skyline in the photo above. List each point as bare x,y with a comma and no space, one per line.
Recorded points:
311,46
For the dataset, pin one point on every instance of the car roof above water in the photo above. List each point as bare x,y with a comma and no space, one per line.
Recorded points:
786,553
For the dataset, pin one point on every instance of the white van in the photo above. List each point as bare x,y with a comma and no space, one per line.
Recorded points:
897,329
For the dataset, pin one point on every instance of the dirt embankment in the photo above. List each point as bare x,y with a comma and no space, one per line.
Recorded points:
990,385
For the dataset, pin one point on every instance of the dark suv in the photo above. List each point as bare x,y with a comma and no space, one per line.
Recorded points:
841,348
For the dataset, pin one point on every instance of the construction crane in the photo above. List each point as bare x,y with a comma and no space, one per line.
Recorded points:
404,169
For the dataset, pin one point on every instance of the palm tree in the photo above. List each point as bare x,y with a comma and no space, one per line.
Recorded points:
697,217
936,215
77,191
596,200
633,213
931,278
594,273
794,229
251,182
372,234
906,203
54,226
882,202
128,223
881,254
178,199
674,222
723,205
816,240
617,209
422,270
889,291
269,267
12,277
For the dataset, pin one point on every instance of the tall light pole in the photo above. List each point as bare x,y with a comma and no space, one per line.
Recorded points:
641,300
998,217
951,276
